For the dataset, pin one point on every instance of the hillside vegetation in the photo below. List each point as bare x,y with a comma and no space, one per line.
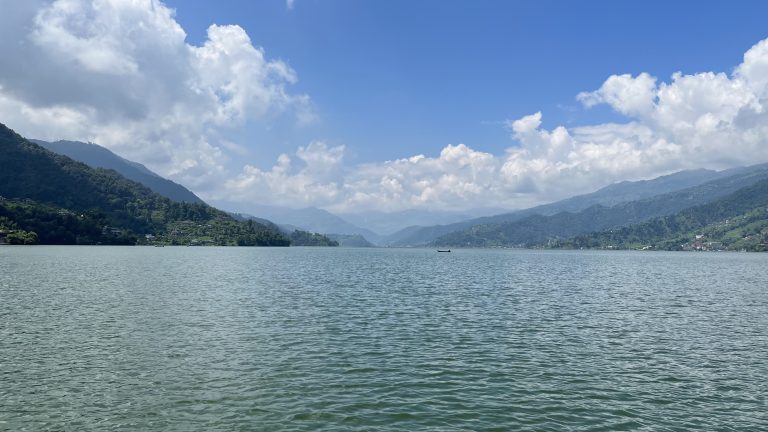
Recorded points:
96,156
305,238
608,196
350,240
736,222
539,229
67,202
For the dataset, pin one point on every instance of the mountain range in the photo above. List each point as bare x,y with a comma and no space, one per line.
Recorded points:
96,156
308,219
389,223
611,195
738,221
52,199
380,228
47,187
537,228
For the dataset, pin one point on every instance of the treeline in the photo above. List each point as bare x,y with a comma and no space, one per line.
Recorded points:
68,202
10,233
57,226
305,238
736,222
553,230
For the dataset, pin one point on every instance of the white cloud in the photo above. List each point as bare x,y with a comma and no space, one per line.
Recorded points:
120,73
289,4
709,119
525,125
286,184
753,71
632,96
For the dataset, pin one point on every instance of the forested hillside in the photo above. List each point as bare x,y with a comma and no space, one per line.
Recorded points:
608,196
736,222
96,156
305,238
67,202
538,229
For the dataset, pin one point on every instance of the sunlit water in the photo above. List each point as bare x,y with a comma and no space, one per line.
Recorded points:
228,339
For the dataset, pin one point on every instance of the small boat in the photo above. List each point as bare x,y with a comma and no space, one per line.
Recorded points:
441,250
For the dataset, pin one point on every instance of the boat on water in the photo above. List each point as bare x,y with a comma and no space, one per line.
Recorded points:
441,250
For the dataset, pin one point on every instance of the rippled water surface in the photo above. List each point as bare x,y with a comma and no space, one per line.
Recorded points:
164,339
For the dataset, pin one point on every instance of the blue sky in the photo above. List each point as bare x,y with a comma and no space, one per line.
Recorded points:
395,78
391,105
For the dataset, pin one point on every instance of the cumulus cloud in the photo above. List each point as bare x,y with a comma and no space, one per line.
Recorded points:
632,96
315,179
120,73
711,120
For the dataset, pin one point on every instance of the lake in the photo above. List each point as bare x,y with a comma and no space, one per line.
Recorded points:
305,339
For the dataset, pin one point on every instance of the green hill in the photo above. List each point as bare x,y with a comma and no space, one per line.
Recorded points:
539,229
350,240
609,196
96,156
306,238
67,202
738,221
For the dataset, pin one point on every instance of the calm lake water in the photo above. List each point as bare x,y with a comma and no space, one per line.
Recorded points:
303,339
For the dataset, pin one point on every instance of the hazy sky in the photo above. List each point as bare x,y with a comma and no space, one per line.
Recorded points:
354,105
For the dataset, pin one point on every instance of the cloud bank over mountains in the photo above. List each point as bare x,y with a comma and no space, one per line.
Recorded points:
120,73
711,120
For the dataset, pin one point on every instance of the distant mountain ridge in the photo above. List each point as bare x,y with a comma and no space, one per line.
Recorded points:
298,236
538,229
64,201
97,156
619,204
388,223
738,221
350,240
607,196
310,219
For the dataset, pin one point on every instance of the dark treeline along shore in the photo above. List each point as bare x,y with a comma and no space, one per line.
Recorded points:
48,198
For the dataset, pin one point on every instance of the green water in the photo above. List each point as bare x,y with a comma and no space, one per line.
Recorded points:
302,339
